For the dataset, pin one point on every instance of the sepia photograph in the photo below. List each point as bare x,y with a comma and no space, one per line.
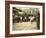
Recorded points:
25,18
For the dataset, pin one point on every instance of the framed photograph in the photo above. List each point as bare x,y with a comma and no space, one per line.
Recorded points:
24,18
